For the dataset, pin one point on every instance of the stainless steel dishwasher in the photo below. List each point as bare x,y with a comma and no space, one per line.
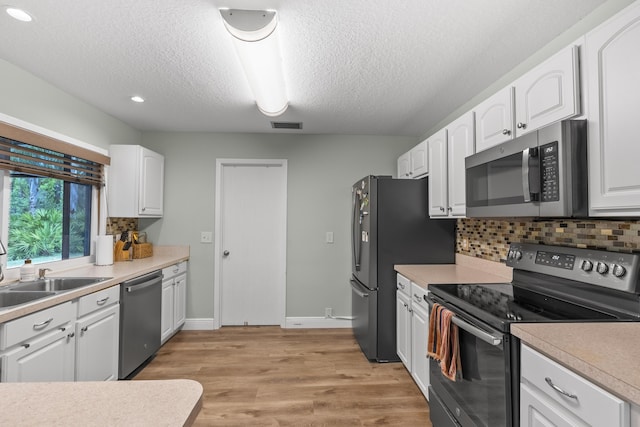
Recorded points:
140,305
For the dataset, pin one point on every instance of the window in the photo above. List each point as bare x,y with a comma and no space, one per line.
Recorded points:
50,192
49,219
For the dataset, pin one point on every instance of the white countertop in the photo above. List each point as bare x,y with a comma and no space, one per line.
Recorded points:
163,256
108,403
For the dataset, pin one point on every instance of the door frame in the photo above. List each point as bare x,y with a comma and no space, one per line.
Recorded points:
217,252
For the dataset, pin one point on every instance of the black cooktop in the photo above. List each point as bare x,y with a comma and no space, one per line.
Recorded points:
501,304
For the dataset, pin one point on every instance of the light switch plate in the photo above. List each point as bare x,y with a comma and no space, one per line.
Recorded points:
206,237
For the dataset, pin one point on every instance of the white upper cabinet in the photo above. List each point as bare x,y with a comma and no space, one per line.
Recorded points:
136,182
413,163
494,120
548,93
447,151
438,202
460,144
613,84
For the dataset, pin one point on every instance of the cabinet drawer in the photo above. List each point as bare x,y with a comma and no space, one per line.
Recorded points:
174,270
417,296
403,284
591,403
98,300
29,326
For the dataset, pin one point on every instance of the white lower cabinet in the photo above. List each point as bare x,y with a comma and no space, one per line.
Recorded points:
419,338
174,300
552,395
39,346
97,336
412,329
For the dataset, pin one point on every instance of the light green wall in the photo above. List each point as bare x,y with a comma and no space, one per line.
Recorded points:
29,98
321,169
571,35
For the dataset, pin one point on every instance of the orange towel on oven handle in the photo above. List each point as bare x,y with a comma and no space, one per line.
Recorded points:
443,342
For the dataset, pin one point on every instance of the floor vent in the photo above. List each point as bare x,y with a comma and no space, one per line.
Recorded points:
286,125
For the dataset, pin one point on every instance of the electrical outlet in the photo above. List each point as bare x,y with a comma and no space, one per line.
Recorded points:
329,237
328,312
206,237
465,244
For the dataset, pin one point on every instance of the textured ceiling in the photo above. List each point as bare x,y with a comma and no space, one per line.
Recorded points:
351,66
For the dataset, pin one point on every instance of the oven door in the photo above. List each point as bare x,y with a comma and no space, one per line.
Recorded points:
504,180
483,396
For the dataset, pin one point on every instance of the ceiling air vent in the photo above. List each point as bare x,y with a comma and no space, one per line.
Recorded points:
286,125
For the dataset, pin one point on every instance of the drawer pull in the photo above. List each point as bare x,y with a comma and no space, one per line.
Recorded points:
102,301
27,345
84,329
42,324
401,285
559,390
417,297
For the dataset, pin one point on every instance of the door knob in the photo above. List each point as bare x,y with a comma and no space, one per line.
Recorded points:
225,253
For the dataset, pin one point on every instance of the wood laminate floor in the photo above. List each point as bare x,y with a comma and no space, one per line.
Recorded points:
268,376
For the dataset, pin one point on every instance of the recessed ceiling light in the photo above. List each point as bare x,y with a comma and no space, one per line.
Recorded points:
19,14
137,98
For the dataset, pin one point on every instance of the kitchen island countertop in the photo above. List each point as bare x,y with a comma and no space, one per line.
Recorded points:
109,403
466,270
603,353
163,256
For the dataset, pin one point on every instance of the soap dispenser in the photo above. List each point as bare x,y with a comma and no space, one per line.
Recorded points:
27,271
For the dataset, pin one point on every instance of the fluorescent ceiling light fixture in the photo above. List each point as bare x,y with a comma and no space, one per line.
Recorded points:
137,98
18,14
255,36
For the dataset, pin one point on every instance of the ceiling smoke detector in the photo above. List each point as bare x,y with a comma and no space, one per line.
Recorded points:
286,125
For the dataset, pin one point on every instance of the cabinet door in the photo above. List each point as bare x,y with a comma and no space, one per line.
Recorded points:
47,358
613,70
403,329
419,164
419,336
437,144
536,411
494,120
460,144
179,301
151,183
167,310
548,93
404,165
97,345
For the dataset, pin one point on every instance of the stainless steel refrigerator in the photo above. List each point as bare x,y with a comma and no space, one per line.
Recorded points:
389,225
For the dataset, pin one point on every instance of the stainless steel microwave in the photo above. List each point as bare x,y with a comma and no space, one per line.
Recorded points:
540,174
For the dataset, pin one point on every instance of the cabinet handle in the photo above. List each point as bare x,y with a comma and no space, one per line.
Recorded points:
71,335
144,209
417,297
85,329
26,345
175,270
521,125
441,208
401,285
102,301
449,209
42,324
559,390
506,132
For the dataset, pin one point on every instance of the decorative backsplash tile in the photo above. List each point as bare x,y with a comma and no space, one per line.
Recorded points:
490,238
118,225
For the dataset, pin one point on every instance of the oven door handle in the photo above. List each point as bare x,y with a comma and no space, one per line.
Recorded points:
477,332
473,330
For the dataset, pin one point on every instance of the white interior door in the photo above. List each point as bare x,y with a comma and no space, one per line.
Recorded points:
251,242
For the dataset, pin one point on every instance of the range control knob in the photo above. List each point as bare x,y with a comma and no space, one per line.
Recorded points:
518,255
618,270
586,265
602,268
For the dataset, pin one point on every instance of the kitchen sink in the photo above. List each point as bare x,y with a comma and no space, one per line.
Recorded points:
9,298
56,284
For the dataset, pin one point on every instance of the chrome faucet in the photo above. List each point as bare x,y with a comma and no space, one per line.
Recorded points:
42,272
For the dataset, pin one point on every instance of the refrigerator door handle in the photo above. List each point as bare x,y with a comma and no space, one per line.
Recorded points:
355,237
358,292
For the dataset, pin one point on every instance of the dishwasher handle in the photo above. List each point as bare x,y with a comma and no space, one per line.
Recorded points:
142,282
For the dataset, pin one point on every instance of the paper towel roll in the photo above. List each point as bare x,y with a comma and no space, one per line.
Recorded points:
104,250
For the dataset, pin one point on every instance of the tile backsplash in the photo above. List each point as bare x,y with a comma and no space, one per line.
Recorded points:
490,238
118,225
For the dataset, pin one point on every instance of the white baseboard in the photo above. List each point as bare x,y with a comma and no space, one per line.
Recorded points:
198,325
316,322
290,322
